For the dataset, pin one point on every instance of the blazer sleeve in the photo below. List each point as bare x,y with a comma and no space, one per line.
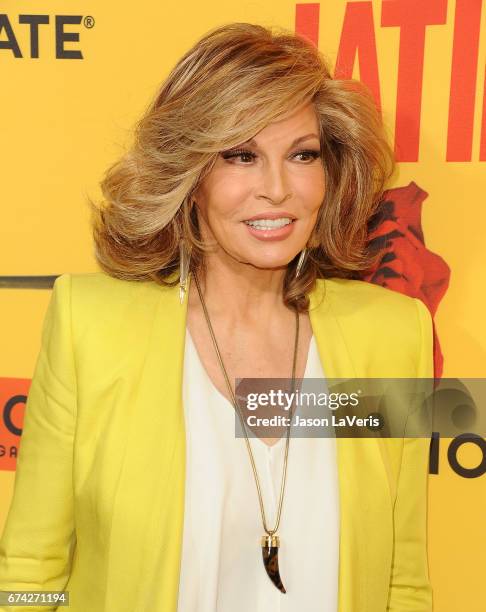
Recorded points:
38,538
410,589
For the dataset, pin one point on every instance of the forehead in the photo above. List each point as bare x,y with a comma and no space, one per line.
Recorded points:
295,127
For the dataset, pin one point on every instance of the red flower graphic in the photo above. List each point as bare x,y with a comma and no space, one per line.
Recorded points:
406,264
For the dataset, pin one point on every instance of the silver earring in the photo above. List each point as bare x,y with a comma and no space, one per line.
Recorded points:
184,260
300,263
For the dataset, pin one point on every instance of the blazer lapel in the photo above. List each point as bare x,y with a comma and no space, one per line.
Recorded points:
365,501
148,505
336,363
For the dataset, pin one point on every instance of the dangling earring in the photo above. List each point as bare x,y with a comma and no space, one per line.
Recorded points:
184,260
300,263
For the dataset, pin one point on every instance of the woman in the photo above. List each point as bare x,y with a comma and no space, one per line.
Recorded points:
231,239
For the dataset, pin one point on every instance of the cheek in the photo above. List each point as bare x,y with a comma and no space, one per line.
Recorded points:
224,197
311,192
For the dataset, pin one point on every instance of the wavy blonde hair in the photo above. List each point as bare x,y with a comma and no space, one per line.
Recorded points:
231,84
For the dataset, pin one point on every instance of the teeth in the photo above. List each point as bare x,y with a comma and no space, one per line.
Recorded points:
269,223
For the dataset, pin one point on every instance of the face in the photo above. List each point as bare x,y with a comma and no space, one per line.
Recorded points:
260,201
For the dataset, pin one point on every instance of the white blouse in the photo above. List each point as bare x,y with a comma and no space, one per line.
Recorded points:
222,568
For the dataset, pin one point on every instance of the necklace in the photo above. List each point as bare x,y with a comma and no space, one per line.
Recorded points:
270,542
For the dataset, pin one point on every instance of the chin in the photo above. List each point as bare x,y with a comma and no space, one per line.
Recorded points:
264,256
266,266
269,263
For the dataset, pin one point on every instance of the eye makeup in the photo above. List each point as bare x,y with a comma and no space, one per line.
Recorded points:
233,153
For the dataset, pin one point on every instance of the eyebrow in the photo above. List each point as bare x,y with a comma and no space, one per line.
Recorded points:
294,143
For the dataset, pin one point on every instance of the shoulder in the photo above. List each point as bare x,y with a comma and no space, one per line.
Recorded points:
379,306
358,295
99,285
108,319
98,288
96,297
386,326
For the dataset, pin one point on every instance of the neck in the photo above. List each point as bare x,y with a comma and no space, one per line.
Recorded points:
241,292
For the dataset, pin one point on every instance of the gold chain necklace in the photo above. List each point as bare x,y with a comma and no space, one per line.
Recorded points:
270,542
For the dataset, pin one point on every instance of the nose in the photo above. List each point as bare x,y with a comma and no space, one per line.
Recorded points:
274,185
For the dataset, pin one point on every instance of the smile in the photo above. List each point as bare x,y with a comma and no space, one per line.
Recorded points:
268,230
269,224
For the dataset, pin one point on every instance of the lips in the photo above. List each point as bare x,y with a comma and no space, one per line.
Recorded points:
272,215
267,229
269,224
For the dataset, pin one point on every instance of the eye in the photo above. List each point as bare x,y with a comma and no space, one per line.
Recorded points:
238,153
311,154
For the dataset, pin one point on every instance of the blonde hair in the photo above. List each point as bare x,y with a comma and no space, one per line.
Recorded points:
231,84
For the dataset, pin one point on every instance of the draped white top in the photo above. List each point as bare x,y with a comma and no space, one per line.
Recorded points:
222,568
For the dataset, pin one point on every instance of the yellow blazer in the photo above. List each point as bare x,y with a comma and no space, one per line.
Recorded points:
99,493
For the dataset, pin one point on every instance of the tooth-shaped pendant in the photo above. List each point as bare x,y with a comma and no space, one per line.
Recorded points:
270,546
